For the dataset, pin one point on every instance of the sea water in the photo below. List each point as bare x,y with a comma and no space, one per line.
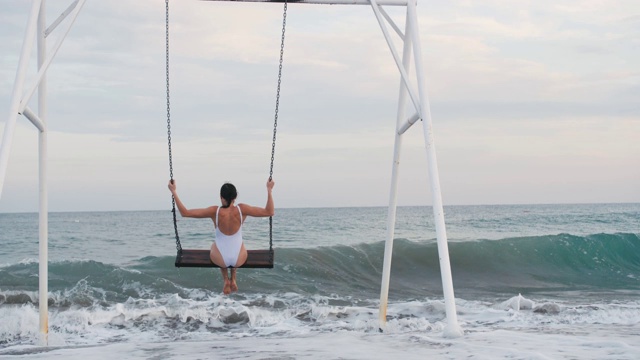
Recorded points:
530,281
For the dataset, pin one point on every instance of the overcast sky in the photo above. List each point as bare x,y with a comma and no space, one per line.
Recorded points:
532,102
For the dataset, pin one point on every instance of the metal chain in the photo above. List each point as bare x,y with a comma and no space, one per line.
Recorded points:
173,200
275,122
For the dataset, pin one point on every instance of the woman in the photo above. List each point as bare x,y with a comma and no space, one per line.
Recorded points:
227,251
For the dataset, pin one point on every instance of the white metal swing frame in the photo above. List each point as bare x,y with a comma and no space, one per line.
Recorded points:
411,53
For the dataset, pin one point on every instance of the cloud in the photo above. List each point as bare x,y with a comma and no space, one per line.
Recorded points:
531,102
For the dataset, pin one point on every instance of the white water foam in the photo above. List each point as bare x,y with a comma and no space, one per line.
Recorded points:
604,343
511,328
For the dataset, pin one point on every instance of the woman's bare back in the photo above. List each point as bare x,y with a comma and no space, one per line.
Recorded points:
229,221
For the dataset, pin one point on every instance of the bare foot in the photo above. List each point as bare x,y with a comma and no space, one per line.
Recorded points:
227,287
234,286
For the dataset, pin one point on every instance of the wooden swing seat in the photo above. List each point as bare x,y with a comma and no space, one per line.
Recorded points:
257,259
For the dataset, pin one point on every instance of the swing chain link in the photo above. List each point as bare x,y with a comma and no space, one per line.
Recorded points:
275,121
173,200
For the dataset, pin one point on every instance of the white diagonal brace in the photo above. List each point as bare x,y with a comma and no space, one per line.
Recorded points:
407,124
47,62
35,119
391,22
403,72
60,18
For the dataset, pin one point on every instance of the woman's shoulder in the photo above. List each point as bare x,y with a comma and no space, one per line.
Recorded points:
212,210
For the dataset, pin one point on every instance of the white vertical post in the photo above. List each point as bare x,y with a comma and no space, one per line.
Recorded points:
18,85
36,27
453,328
393,196
44,208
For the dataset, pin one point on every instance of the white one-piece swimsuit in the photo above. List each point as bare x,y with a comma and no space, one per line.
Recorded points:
229,245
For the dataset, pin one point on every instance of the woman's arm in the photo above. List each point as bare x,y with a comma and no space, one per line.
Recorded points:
193,213
268,210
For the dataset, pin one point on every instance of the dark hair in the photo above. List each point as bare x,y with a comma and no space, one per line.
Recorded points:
229,193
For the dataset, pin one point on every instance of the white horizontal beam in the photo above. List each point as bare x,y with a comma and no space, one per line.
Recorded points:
328,2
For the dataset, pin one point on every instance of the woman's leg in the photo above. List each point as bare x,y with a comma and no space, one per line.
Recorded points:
216,258
226,289
242,258
234,285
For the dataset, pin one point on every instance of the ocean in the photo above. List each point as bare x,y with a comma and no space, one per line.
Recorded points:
530,282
